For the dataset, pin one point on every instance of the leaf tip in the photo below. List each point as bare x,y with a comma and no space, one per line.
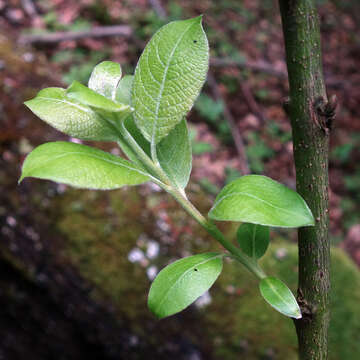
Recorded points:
311,219
28,104
22,177
153,309
298,315
71,87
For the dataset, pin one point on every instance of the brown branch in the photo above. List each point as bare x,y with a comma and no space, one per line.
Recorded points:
158,8
96,32
268,68
260,66
239,144
29,8
251,102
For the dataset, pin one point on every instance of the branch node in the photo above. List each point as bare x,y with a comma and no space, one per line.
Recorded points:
286,105
326,111
307,310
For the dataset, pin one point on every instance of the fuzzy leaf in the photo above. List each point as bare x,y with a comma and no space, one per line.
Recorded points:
280,297
253,239
260,200
70,116
169,76
174,151
93,99
174,154
182,282
81,166
104,78
123,91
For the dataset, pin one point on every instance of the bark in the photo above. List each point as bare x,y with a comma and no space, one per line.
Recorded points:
311,115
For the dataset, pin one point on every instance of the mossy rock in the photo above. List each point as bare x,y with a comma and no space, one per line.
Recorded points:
250,325
101,229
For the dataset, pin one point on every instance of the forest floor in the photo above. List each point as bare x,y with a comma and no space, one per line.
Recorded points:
68,289
249,84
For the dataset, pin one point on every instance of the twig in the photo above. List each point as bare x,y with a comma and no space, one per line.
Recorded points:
239,144
267,68
96,32
260,66
158,8
251,102
30,8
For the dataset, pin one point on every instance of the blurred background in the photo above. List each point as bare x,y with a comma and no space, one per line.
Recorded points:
75,265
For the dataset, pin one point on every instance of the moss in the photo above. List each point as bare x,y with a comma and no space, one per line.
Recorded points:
101,229
248,320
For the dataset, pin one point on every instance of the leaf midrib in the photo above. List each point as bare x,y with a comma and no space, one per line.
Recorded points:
259,199
85,109
162,85
181,276
89,155
274,289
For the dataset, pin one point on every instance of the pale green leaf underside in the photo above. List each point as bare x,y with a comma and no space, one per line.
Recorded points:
182,282
123,91
91,98
81,166
169,77
69,116
105,78
136,134
174,151
174,154
260,200
253,239
279,296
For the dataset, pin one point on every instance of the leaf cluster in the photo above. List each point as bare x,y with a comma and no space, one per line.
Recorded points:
145,114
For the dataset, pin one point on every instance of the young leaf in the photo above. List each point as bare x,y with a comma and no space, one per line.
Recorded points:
81,166
174,151
168,77
91,98
69,116
123,91
137,135
174,154
182,282
279,296
253,239
105,78
260,200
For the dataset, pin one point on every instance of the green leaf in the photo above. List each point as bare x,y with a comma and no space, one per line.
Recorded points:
169,76
91,98
174,151
81,166
253,239
260,200
174,154
279,296
104,78
123,91
182,282
70,116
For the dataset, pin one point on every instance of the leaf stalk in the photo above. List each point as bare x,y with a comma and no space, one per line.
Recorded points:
180,196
